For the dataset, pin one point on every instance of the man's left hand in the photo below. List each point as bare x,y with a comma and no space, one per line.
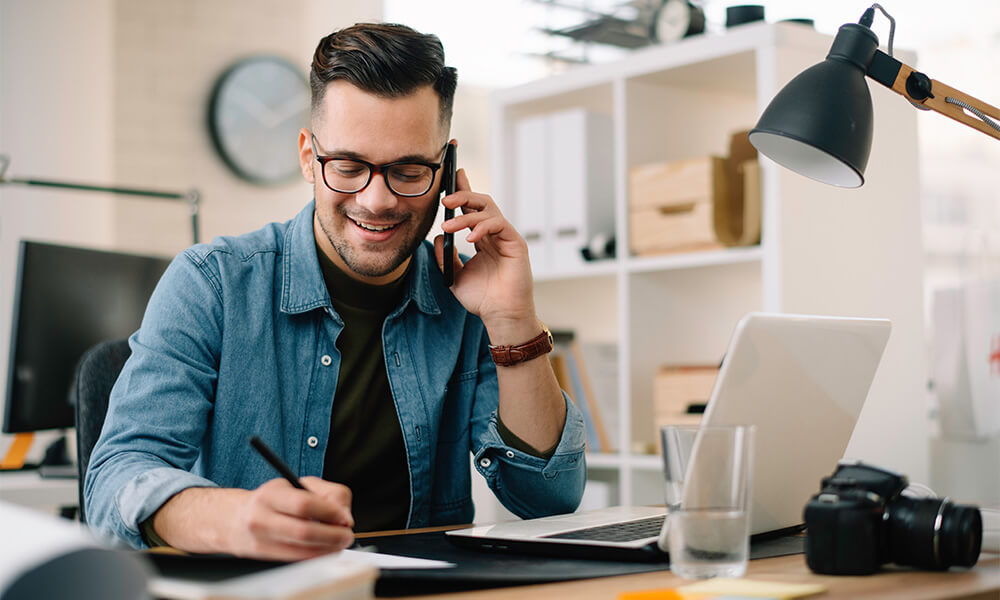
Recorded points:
496,283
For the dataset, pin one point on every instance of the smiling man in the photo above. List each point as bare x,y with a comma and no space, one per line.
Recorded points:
334,338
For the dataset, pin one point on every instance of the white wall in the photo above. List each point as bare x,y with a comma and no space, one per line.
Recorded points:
114,92
56,113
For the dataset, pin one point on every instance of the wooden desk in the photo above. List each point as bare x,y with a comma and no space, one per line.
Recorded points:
979,583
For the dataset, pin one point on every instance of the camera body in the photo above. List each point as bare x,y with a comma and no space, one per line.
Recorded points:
860,520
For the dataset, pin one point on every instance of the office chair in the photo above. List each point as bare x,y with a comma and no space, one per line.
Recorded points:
95,375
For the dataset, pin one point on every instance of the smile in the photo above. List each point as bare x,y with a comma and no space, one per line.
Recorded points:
374,227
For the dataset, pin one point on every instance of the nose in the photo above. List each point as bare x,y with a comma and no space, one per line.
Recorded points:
377,197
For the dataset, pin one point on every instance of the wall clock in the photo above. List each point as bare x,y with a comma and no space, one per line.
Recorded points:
256,110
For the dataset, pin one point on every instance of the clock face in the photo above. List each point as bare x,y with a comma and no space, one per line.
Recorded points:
257,109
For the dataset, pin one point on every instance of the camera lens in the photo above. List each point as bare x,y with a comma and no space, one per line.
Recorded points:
933,534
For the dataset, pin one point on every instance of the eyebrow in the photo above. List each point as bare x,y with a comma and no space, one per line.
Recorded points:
357,156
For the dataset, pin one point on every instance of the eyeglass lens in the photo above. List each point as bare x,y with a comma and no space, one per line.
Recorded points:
348,176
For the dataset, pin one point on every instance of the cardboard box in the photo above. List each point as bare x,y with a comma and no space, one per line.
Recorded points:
671,205
677,388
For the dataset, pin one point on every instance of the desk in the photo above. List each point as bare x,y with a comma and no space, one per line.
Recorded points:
979,583
28,489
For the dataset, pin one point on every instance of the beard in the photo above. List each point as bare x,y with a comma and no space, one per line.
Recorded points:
374,260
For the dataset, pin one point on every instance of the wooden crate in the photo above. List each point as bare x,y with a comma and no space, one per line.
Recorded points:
671,205
674,389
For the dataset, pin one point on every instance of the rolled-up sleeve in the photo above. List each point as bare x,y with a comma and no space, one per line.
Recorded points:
160,406
527,485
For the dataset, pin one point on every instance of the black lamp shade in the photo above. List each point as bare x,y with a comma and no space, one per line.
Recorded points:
820,124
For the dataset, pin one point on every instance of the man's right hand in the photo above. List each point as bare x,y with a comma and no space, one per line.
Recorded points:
275,521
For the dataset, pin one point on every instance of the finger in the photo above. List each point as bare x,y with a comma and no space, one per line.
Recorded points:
308,505
462,181
465,221
491,226
439,256
439,251
468,201
290,530
332,490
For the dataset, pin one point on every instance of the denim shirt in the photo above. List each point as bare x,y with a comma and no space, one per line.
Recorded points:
239,339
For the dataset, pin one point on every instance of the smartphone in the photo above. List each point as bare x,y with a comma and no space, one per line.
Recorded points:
448,188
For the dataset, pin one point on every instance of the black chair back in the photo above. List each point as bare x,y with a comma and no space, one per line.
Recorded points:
96,374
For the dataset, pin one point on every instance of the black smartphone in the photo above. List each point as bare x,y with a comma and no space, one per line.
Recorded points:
448,188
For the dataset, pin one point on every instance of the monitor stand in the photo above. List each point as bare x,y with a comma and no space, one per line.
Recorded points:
56,463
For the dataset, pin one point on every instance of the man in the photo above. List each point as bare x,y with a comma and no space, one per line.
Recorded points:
334,338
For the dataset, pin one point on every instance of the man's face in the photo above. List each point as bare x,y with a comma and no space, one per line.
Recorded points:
371,234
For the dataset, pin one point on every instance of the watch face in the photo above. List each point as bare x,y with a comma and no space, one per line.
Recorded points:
257,109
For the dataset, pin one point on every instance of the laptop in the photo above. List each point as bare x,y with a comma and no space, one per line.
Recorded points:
800,379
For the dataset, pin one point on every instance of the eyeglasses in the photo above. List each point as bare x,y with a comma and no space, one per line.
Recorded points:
350,175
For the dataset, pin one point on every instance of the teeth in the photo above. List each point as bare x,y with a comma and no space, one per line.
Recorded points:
372,227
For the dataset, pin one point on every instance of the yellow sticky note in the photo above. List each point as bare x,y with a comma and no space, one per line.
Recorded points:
753,589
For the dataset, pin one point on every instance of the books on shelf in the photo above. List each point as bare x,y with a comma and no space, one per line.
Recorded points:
589,374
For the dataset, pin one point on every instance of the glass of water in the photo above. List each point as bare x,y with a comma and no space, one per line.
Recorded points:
708,473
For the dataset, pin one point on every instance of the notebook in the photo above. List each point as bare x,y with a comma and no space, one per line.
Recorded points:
800,379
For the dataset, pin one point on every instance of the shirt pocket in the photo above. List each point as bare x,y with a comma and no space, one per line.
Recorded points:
456,409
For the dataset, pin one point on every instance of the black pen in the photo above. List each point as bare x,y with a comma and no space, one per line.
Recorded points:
280,466
276,462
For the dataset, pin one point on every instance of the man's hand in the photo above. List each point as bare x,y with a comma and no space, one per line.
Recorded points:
496,283
275,521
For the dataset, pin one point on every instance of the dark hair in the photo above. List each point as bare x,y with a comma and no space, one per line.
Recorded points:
385,59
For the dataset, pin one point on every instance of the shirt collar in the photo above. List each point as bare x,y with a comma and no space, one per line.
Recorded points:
304,289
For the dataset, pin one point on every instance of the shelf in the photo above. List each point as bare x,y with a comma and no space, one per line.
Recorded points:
691,260
642,462
598,268
666,262
598,460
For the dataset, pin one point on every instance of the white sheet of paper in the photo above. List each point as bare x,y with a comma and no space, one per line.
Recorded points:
391,561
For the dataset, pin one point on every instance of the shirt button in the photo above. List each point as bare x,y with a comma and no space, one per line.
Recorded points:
326,360
510,454
485,462
313,441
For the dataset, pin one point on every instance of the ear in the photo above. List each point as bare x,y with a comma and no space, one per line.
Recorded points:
306,157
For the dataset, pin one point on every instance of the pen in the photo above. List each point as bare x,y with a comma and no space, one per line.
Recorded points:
276,462
280,466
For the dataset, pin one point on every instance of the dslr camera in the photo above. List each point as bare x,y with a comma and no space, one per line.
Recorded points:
861,520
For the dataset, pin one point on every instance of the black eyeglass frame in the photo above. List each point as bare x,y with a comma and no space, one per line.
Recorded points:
374,169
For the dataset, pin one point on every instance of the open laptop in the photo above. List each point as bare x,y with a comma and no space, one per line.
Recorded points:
801,380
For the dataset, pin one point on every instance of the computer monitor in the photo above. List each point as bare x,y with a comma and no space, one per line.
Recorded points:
65,301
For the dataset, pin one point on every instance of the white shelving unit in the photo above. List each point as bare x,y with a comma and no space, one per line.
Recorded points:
824,250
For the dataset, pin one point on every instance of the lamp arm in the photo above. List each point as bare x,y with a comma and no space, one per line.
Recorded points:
930,94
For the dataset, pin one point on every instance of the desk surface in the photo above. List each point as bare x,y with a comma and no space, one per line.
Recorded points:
980,583
27,488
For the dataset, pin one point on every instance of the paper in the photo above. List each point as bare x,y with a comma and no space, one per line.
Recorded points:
332,576
755,589
391,561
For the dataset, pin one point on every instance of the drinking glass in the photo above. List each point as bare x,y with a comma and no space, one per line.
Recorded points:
707,473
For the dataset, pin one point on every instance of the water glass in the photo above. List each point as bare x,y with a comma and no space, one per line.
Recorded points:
707,473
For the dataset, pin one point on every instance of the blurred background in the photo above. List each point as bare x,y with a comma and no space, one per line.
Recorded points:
117,92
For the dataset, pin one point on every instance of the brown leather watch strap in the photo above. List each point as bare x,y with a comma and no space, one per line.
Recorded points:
506,356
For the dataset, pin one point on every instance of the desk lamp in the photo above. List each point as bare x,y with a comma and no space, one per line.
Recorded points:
192,197
820,124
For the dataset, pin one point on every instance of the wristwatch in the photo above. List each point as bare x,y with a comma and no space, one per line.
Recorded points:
506,356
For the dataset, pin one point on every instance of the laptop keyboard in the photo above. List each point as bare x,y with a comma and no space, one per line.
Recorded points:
616,532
